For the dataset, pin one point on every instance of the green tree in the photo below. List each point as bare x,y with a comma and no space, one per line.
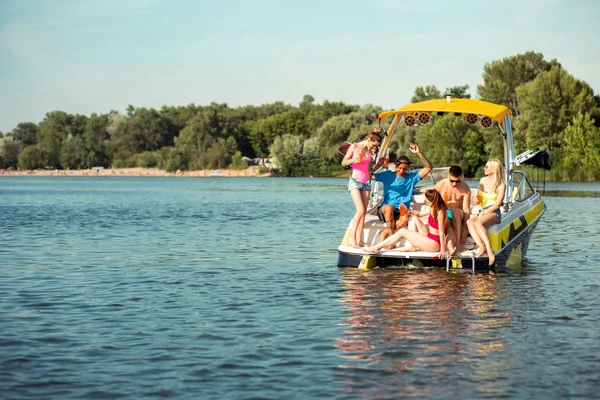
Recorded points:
148,130
26,133
266,110
176,161
9,151
73,152
238,162
582,148
340,128
116,147
475,153
131,110
145,130
448,140
95,137
459,92
287,151
428,92
238,123
214,157
176,119
230,147
320,113
31,158
56,127
307,104
502,77
264,132
548,104
196,139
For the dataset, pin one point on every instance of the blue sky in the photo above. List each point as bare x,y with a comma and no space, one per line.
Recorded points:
93,56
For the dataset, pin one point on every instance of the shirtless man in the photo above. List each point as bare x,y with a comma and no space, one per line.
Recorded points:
457,195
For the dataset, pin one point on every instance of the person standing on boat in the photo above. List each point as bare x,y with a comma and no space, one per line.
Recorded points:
491,194
359,156
457,195
398,189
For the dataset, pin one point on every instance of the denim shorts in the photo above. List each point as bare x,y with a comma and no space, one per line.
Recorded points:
354,184
497,212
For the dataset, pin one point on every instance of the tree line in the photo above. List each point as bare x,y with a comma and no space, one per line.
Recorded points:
551,109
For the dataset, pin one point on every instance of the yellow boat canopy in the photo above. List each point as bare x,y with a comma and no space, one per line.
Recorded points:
451,105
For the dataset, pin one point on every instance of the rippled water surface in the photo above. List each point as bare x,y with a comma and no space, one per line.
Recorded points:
227,288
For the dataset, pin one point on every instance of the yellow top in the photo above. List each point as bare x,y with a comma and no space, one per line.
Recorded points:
487,199
466,106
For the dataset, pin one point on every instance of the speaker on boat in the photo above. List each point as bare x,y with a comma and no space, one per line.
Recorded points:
472,119
486,122
424,118
409,120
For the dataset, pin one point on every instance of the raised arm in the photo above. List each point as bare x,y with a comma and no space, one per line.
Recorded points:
427,165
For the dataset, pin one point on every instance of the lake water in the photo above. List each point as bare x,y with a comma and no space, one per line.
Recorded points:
227,288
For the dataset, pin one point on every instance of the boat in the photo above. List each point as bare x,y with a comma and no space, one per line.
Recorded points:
522,209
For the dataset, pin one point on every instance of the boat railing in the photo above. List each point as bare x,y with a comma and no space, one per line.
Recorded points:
521,187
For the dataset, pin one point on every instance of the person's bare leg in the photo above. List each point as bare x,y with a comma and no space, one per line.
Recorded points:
389,242
361,221
415,239
356,196
465,231
390,222
486,240
421,228
419,241
450,240
402,222
457,217
475,235
482,224
406,248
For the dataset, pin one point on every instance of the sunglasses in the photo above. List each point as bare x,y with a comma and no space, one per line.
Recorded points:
454,181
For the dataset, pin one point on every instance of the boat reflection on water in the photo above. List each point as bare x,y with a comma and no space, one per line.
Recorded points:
410,326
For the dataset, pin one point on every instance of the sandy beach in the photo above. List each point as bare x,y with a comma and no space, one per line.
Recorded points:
248,172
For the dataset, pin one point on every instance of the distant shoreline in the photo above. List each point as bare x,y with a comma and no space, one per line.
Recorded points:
206,173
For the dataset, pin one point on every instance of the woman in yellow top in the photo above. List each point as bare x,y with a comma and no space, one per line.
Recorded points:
491,191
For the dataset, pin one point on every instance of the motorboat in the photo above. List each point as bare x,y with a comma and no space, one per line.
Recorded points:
522,209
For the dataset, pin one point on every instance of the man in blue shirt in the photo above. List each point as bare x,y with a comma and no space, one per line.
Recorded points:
398,189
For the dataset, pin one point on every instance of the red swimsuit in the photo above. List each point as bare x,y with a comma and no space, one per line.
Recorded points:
433,224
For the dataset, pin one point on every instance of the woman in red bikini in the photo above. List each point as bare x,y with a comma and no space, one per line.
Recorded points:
432,239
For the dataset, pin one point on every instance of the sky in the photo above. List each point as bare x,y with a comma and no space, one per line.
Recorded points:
94,56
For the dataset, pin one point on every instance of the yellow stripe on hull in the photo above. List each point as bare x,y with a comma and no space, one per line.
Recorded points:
500,239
